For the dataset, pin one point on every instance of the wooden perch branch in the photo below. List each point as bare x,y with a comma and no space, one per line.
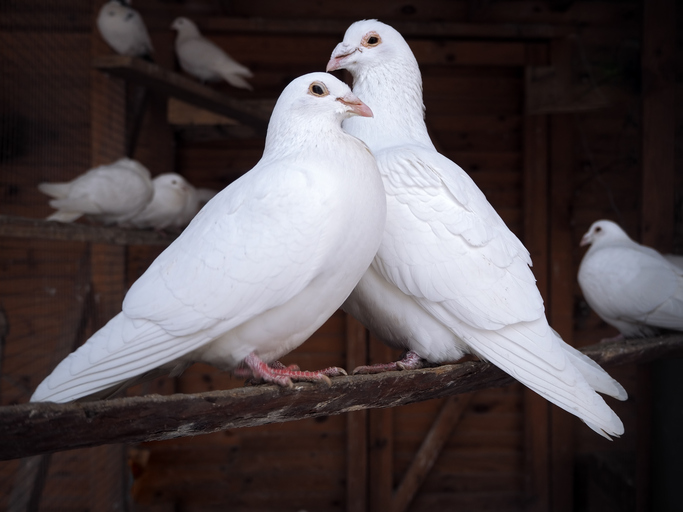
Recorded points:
22,227
185,89
31,429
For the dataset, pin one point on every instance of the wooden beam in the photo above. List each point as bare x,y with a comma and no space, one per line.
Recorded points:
22,227
381,434
35,428
356,424
185,89
449,416
658,65
431,29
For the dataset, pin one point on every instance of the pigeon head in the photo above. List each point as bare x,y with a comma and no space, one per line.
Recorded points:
310,106
367,44
602,231
185,27
171,181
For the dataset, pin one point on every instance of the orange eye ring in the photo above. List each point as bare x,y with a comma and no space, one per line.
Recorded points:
371,39
318,89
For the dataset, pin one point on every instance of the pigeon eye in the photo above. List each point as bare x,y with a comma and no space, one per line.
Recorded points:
372,39
318,89
598,229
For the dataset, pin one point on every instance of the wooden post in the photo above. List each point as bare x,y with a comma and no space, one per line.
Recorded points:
657,186
381,451
108,143
356,424
449,416
536,197
560,305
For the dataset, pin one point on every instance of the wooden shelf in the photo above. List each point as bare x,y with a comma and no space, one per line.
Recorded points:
31,429
254,114
22,227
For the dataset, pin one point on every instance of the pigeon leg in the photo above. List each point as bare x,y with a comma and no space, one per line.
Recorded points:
409,361
284,376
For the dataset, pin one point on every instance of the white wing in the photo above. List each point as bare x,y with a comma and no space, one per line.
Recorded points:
450,247
447,248
239,257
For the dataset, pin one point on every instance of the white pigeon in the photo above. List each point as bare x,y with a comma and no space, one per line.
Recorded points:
260,268
123,29
171,192
450,278
202,59
631,287
195,199
108,194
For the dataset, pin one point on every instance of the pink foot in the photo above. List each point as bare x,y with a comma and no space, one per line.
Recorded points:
410,361
278,374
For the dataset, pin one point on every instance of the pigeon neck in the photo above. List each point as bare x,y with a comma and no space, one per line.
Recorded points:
394,93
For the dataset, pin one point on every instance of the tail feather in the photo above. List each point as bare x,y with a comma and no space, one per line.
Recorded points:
108,360
540,363
594,374
237,81
61,216
56,190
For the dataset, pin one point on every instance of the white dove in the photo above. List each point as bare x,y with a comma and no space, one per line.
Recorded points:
123,29
631,287
109,194
195,199
202,59
260,268
171,192
450,278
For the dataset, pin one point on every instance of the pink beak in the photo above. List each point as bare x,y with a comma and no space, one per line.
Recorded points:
357,106
338,55
585,240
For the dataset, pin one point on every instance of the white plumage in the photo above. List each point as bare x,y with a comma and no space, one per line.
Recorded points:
263,264
123,29
449,277
168,204
631,287
202,59
109,194
194,201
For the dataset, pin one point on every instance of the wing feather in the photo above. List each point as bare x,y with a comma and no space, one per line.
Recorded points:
236,260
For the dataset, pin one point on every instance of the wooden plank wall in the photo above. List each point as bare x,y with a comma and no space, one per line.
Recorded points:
474,94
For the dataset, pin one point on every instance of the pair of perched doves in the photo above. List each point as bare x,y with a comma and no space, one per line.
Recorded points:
123,29
274,254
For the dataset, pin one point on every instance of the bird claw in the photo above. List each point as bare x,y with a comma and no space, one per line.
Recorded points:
410,361
277,373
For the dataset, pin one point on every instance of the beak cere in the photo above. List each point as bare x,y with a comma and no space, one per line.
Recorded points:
585,240
356,106
338,55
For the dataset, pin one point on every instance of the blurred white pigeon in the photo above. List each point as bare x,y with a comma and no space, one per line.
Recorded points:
171,192
204,60
122,28
195,199
260,268
109,194
631,287
450,278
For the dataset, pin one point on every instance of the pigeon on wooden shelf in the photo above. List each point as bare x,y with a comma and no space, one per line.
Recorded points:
631,287
450,278
122,28
204,60
171,192
262,265
194,201
109,194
